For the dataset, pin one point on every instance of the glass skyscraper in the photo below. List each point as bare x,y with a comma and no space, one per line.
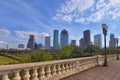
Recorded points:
81,42
112,42
87,39
98,40
64,38
31,42
47,42
55,39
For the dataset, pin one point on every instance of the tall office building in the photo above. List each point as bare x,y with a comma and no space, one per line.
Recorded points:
31,42
55,39
81,42
87,39
64,38
47,43
98,40
112,42
73,42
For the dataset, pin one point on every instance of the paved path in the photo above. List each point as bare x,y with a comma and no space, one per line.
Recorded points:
111,72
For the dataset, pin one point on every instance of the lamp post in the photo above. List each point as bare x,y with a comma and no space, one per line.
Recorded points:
117,49
104,27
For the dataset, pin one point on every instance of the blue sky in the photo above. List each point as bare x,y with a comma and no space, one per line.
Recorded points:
20,18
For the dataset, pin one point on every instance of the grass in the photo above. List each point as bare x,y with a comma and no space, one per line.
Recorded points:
6,59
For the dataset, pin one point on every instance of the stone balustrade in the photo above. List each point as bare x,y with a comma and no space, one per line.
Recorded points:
50,70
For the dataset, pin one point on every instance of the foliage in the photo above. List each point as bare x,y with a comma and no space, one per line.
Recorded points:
64,53
110,50
37,56
92,50
77,52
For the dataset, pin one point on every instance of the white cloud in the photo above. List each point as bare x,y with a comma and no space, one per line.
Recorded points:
71,8
5,31
64,18
80,20
3,43
100,4
86,11
26,34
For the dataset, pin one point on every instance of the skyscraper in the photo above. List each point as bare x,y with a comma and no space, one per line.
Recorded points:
55,39
98,40
81,42
47,43
87,39
64,38
112,42
31,42
73,42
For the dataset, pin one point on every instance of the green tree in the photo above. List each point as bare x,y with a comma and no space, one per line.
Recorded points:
111,50
37,56
64,53
92,50
77,52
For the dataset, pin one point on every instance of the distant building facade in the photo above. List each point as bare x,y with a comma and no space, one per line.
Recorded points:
56,39
47,43
112,42
87,38
73,42
31,42
98,40
81,42
40,46
21,46
64,38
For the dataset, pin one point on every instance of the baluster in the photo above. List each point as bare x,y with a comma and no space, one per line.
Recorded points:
74,65
82,65
42,73
70,65
54,70
63,68
27,75
16,75
48,72
77,64
59,69
35,74
5,76
67,67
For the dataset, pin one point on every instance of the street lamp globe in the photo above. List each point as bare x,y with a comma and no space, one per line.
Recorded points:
104,26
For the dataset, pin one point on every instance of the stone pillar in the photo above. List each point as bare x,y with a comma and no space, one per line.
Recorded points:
27,75
16,75
42,73
35,74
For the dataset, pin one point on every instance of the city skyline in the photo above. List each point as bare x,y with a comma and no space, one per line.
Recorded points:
21,18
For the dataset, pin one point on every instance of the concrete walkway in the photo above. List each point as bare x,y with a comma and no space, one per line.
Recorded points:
111,72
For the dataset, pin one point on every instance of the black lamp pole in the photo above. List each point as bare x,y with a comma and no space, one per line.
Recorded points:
104,27
117,49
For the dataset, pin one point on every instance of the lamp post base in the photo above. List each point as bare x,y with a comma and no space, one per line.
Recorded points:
105,63
117,58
